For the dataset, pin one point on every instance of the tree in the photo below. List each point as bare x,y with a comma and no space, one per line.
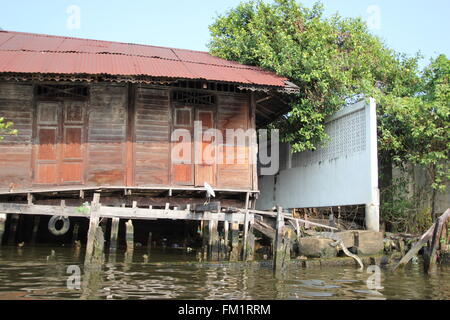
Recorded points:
6,128
415,128
332,60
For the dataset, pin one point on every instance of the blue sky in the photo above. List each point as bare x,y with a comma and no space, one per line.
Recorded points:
405,25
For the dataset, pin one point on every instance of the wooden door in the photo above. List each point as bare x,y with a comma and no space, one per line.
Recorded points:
72,155
183,171
47,144
205,152
59,143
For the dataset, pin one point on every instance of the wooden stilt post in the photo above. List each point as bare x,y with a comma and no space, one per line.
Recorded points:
36,221
149,241
214,240
246,226
92,267
234,254
298,232
130,235
93,230
226,244
2,226
114,234
279,235
250,244
76,227
13,229
205,238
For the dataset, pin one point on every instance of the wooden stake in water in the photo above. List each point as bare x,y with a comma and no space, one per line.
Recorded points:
114,234
234,254
93,226
278,247
2,226
130,235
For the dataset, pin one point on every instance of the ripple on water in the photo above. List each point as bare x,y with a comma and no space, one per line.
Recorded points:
25,277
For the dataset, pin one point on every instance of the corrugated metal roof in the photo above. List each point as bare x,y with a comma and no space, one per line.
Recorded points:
44,54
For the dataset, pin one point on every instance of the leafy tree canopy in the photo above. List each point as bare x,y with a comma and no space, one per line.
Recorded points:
335,60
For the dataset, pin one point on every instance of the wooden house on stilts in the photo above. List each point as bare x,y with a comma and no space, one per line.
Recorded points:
98,117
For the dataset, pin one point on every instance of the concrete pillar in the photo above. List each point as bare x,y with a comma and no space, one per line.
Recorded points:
373,217
373,208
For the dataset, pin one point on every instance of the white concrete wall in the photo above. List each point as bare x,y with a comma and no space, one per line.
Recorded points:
343,172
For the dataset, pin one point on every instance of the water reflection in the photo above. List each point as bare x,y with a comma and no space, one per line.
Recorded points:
29,273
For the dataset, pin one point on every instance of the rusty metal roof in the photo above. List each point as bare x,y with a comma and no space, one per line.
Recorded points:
27,53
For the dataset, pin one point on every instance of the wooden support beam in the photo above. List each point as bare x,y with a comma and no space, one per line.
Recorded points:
93,266
234,254
114,234
36,221
430,256
76,228
298,231
130,235
278,246
93,228
149,241
12,237
246,225
117,212
426,237
213,240
226,242
205,238
2,226
30,199
250,244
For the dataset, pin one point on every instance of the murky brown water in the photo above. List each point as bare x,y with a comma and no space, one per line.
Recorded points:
33,273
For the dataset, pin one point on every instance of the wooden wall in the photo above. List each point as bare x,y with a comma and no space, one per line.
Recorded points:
16,103
233,113
106,164
152,136
123,126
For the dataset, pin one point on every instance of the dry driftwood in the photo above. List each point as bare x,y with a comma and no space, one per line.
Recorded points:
431,234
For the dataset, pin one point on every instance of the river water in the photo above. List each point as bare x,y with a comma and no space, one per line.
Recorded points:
43,273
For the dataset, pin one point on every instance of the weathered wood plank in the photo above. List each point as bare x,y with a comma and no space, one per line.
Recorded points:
422,241
114,234
122,213
93,229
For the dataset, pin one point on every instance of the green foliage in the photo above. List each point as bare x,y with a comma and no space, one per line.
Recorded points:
415,128
6,128
330,59
402,211
83,209
335,61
